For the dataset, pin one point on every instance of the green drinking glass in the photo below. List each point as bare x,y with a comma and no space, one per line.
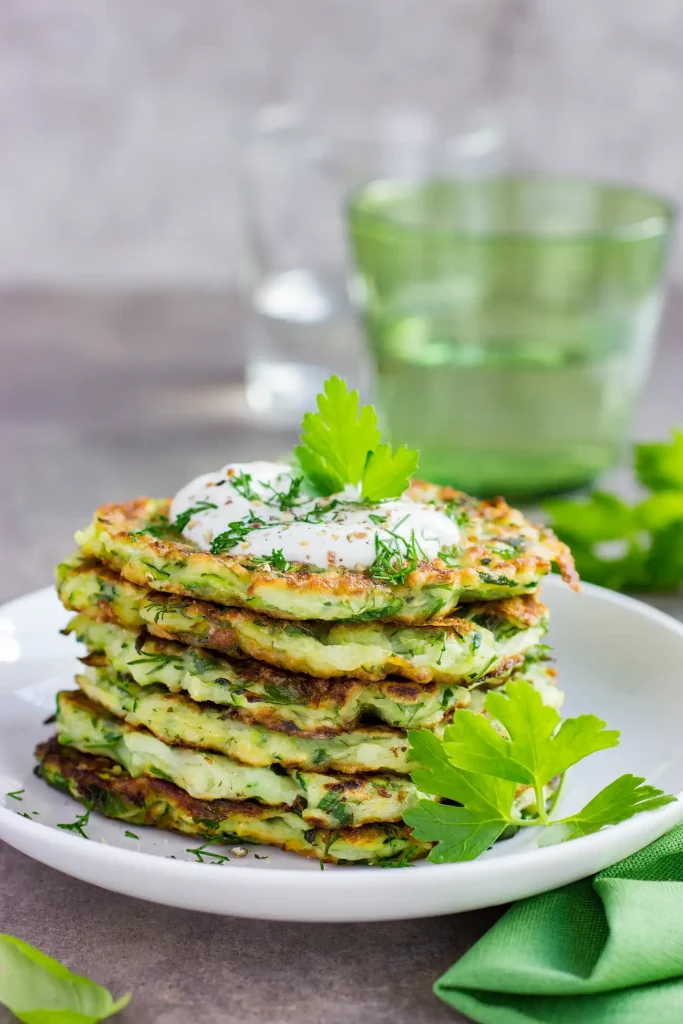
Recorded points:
512,322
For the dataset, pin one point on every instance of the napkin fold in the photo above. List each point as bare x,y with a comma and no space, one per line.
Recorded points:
606,950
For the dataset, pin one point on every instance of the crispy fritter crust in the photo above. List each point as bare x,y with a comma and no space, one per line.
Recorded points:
322,800
298,705
455,649
117,537
176,719
104,785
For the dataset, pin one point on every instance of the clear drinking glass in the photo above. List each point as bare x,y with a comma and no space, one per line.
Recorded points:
512,322
295,175
302,327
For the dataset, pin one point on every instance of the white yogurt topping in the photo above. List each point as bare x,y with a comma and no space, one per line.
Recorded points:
339,530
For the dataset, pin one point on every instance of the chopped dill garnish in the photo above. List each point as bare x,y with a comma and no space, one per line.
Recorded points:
396,558
79,824
455,511
403,861
285,500
183,519
156,529
276,560
496,581
451,557
242,484
318,512
200,852
235,533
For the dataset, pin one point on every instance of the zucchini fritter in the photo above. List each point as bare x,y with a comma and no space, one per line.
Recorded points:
296,704
180,721
323,801
488,638
500,555
102,784
106,787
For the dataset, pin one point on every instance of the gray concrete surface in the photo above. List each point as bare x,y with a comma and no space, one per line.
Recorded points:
102,397
118,161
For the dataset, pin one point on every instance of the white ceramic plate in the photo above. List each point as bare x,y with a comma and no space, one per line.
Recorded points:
616,657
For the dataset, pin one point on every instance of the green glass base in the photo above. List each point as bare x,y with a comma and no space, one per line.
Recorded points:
516,476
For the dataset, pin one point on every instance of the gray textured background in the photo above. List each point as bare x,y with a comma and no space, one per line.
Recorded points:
115,115
121,353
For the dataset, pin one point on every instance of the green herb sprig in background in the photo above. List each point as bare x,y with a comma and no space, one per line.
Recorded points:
40,990
479,768
630,546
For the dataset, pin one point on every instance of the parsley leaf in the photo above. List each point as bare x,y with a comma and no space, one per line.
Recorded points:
479,768
535,752
601,517
666,558
440,777
36,988
661,510
388,473
659,467
630,547
620,800
338,435
340,446
461,833
320,478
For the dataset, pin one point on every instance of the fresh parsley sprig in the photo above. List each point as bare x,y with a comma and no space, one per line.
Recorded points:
659,466
626,796
630,546
479,769
340,446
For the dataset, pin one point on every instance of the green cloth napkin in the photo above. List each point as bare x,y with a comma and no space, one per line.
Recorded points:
606,950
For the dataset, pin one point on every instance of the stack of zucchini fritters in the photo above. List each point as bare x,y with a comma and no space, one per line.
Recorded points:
233,700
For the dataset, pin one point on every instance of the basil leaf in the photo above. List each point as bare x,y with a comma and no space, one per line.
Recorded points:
40,990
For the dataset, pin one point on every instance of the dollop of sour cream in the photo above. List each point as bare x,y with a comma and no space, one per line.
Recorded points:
338,530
